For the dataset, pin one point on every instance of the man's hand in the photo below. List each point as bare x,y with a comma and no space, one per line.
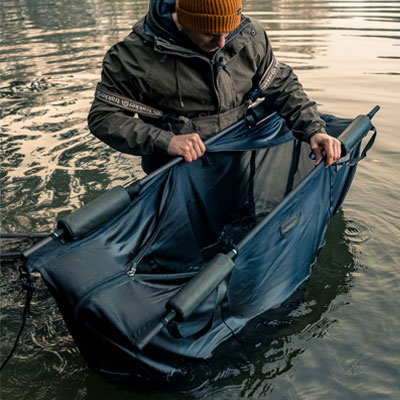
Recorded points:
190,147
323,142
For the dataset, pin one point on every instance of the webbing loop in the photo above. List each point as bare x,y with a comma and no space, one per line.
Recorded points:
353,161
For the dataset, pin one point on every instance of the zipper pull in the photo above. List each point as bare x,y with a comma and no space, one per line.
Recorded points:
221,63
132,270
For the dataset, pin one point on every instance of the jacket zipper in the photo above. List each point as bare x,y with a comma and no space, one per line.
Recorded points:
168,47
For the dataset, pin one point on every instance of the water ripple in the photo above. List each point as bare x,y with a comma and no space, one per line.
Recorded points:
358,232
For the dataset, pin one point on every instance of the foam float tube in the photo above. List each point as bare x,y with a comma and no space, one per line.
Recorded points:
358,128
190,296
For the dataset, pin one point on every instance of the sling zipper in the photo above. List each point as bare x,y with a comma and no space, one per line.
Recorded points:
128,274
116,279
104,285
132,271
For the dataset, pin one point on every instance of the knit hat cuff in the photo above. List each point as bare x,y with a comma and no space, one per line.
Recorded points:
207,23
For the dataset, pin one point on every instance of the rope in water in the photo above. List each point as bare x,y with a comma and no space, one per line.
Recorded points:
26,285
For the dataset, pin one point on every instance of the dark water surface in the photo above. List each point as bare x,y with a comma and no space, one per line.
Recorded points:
338,337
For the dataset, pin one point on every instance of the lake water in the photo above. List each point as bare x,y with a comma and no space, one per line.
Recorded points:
340,338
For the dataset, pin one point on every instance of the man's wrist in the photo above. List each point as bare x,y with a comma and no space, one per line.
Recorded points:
309,133
161,142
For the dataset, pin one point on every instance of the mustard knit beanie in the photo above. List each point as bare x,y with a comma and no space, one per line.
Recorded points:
209,16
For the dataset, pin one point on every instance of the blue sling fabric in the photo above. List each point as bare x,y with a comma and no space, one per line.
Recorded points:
255,190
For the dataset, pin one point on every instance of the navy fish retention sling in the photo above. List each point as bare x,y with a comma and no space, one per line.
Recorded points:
172,266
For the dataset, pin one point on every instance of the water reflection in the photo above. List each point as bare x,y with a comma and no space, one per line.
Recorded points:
50,60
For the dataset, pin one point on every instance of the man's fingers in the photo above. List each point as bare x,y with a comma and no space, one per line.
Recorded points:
317,153
330,145
338,146
196,147
187,154
193,152
199,147
333,151
190,147
202,147
330,154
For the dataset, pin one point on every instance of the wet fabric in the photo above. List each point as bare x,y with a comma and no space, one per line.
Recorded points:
255,190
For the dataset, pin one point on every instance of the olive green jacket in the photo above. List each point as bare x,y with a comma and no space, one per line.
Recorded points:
212,91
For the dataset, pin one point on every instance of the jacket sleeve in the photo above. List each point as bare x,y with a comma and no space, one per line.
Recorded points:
284,93
120,129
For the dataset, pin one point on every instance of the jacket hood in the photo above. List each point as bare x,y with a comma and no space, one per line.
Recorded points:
159,22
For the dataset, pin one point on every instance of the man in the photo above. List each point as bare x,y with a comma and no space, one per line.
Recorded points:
189,69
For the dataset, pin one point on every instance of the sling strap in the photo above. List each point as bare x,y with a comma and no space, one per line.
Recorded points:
353,161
